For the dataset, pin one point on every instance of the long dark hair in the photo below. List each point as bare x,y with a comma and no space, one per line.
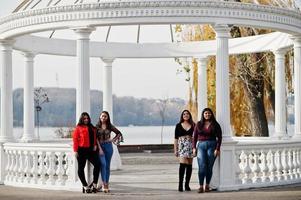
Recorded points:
81,119
99,123
190,117
202,121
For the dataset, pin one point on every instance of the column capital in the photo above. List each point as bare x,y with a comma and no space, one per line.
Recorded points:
202,59
83,33
280,52
6,44
296,40
222,30
202,63
108,61
28,55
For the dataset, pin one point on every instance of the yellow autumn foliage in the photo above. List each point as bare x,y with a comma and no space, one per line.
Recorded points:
239,102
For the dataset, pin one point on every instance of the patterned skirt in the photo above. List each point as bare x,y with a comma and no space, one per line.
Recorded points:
185,147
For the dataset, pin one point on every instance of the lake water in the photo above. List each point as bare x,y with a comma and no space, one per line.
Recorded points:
132,135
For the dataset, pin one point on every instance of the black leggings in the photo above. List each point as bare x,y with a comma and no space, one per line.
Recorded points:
85,154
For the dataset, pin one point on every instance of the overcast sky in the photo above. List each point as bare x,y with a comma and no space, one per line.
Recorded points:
150,78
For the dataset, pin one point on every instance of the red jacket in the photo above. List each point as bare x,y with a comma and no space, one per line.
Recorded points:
81,137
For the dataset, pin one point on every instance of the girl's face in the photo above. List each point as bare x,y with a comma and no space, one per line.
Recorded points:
103,117
186,116
207,115
86,120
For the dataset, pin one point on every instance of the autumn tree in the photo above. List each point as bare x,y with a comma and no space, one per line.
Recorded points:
251,77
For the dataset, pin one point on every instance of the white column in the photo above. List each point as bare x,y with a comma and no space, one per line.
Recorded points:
6,91
297,85
202,85
28,114
280,101
83,70
108,105
107,86
222,79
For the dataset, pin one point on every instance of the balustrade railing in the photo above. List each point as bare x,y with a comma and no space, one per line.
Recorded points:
266,163
41,165
244,163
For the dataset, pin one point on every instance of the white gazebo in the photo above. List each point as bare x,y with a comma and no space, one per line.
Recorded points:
245,163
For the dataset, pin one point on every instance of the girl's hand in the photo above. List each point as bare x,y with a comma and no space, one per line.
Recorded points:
100,152
194,152
76,154
176,153
216,153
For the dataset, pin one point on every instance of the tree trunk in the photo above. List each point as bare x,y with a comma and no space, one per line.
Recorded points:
251,73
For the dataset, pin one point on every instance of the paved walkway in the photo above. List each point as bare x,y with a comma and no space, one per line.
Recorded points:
150,177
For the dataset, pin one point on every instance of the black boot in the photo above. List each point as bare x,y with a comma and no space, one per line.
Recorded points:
181,176
188,176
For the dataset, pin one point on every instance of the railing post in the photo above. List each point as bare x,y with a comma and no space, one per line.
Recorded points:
72,170
227,167
2,163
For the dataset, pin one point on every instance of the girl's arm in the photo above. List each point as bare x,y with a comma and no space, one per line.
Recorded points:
118,136
175,145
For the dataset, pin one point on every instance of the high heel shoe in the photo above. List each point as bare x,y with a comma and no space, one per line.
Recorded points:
105,188
180,188
87,189
93,188
207,188
99,188
187,188
201,190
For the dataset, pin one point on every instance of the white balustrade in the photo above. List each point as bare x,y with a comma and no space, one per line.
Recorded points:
256,178
246,168
298,172
272,165
21,173
285,166
279,166
290,164
264,163
264,167
34,168
15,168
50,168
7,166
41,170
238,167
28,165
60,168
257,163
40,165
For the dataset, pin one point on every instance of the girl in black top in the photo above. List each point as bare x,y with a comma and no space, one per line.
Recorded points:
183,148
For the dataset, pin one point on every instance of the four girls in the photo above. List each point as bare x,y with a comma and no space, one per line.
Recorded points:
202,140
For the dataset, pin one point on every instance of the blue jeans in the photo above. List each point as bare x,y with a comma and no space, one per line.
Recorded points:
105,161
206,158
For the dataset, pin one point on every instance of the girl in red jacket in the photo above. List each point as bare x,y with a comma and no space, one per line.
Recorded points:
85,148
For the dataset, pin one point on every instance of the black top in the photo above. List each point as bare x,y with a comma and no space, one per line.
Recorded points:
91,137
180,131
